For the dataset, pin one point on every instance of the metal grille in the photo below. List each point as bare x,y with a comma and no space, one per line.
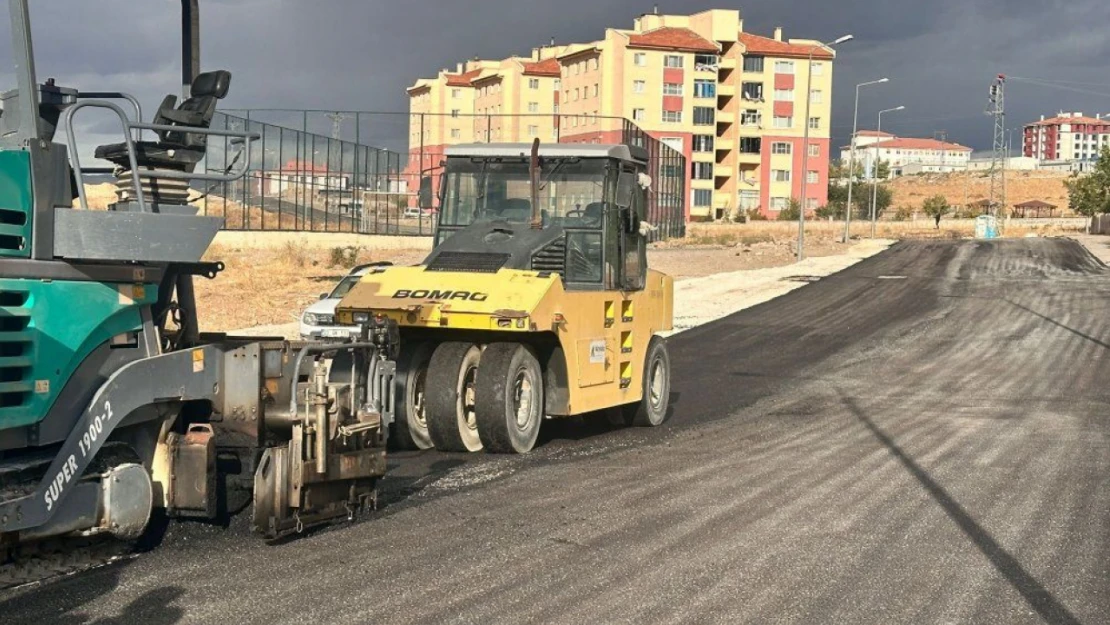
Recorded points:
16,343
478,262
552,257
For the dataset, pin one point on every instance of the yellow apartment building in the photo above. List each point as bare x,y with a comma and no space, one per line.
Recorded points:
733,103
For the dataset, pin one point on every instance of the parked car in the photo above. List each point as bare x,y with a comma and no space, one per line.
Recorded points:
411,213
318,320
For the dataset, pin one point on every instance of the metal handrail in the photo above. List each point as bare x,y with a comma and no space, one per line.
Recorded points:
136,173
75,160
116,95
248,137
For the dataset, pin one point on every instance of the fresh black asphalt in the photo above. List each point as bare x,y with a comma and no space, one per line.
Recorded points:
922,438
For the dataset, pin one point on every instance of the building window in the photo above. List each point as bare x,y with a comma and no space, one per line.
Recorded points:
816,96
784,122
818,68
750,145
781,147
703,143
456,94
812,177
784,67
533,83
779,203
597,89
706,62
672,88
593,64
749,199
784,95
556,111
576,93
533,131
701,171
811,203
454,112
815,150
750,117
640,59
672,60
753,64
558,84
751,90
780,175
455,133
814,123
533,107
637,115
704,115
639,86
672,117
705,89
703,197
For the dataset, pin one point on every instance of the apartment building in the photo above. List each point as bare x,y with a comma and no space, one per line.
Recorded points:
1066,137
907,155
732,102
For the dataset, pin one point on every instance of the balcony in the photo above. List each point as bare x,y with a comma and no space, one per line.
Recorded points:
750,158
722,171
726,117
726,63
724,145
726,90
723,199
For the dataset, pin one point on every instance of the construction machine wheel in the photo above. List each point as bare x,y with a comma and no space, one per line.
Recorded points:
450,397
509,399
651,410
410,425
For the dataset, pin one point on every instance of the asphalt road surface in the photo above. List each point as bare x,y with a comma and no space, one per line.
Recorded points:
923,438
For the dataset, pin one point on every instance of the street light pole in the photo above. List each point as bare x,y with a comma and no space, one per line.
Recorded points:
805,141
852,158
875,171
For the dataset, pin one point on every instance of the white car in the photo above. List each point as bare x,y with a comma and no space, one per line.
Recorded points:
318,320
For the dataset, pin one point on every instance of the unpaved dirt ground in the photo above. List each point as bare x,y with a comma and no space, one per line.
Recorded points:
892,444
970,187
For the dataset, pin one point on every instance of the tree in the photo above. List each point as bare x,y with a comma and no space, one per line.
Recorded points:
791,212
838,170
935,207
1090,195
882,170
861,199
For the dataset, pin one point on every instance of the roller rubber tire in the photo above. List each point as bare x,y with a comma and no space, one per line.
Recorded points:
450,427
651,410
409,430
509,398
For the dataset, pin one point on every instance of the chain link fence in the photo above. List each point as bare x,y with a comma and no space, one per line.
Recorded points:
360,172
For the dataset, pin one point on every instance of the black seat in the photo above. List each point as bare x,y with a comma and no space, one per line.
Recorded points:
178,150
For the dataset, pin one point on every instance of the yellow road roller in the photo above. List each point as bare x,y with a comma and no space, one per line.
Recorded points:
536,302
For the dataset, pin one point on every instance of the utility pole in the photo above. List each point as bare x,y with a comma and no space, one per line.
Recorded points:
996,108
805,142
337,120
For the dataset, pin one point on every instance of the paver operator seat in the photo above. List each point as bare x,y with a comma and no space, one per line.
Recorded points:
176,150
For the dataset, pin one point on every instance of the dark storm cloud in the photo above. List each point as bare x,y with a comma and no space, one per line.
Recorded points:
356,54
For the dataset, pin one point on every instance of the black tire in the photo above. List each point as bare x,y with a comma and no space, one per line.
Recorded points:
509,403
452,373
410,425
651,410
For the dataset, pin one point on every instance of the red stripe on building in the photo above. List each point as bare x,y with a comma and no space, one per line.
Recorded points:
672,103
784,109
784,81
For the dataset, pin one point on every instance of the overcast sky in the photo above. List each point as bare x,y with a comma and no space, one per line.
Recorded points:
940,55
